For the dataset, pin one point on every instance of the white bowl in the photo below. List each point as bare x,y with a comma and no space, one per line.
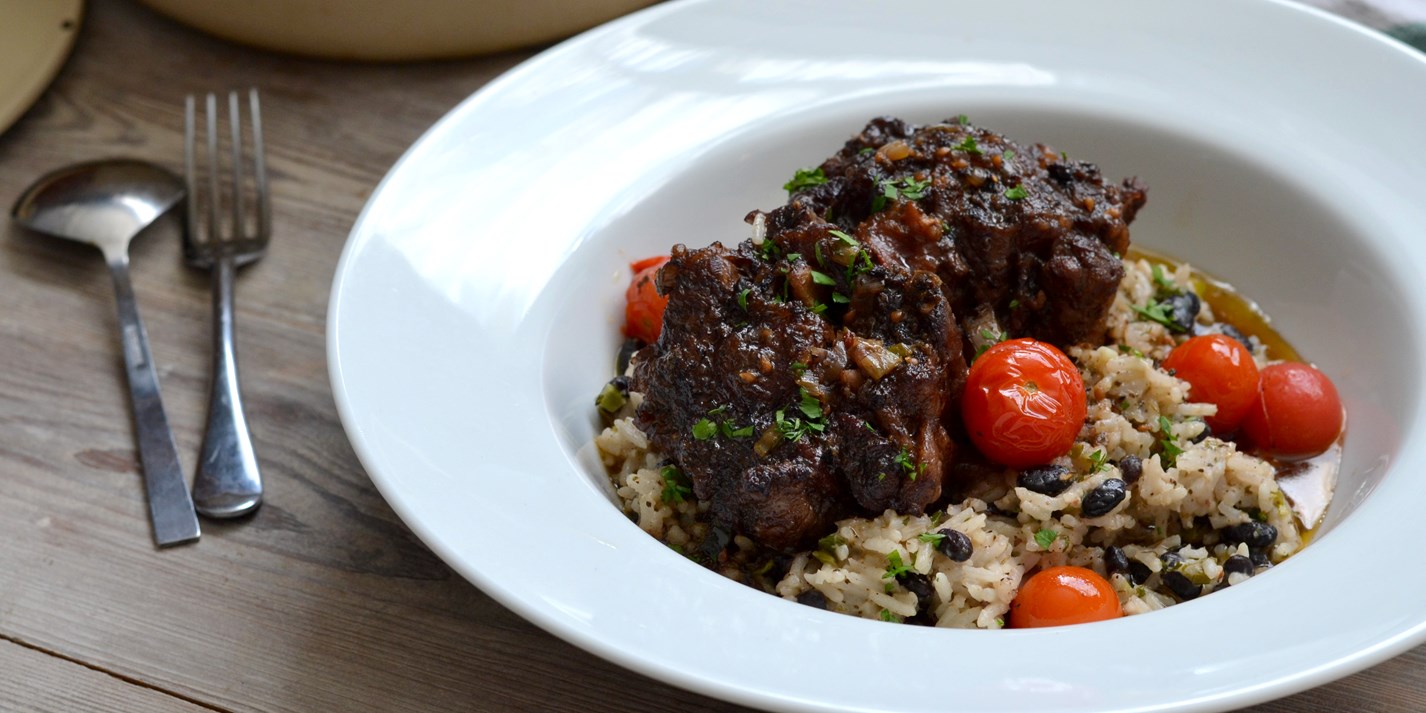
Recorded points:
385,30
476,309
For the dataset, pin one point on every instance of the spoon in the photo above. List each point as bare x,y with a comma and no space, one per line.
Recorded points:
106,204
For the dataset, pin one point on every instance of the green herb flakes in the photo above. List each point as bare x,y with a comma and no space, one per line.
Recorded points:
705,429
931,537
1159,312
895,567
743,299
844,237
675,485
1017,193
805,178
1046,537
968,145
822,278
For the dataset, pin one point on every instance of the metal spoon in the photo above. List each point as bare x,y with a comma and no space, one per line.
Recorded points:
106,204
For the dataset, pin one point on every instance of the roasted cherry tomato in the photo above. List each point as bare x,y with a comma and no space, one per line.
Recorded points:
1298,413
1063,595
1024,403
643,305
1221,372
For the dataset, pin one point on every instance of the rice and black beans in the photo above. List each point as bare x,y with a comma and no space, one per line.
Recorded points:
1146,497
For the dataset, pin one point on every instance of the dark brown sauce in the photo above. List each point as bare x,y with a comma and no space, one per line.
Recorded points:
1307,483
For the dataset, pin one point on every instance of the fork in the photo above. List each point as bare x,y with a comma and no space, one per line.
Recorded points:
228,483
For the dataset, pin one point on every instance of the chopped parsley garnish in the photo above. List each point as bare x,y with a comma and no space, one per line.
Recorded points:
1162,280
861,264
818,308
1016,193
962,119
991,338
895,567
743,298
1008,155
908,464
798,367
844,237
822,278
675,485
1171,449
805,178
810,405
817,253
1159,312
705,429
770,251
1046,537
866,150
1126,349
908,188
886,615
731,432
913,189
794,257
831,542
840,298
610,399
1099,459
968,145
931,537
1014,304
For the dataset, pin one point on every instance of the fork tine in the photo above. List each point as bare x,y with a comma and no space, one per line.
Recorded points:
190,176
212,114
235,122
264,210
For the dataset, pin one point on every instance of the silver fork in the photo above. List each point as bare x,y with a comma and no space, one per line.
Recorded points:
228,483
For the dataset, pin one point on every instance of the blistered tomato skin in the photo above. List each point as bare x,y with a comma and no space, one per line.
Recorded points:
643,305
1024,403
1298,413
1060,596
1219,371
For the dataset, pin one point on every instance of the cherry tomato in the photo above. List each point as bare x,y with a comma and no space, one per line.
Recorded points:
1063,595
1298,413
1221,372
1024,403
643,305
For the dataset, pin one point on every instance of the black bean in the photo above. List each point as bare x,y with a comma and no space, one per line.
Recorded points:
1104,498
1181,585
920,585
1116,561
1171,560
813,598
1206,432
626,352
1139,572
1226,330
1254,534
1260,558
1046,480
1238,564
1183,310
955,545
1130,467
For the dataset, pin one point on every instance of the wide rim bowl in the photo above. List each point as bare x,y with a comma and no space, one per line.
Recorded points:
476,305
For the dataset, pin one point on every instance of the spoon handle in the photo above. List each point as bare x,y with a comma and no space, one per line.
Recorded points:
170,508
228,483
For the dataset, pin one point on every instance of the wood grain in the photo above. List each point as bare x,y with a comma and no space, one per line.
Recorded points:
323,600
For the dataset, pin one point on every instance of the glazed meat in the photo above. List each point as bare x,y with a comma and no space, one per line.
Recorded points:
815,371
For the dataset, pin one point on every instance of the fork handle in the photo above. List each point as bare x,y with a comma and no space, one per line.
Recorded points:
228,483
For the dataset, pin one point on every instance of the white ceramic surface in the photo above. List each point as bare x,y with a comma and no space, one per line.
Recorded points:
476,309
35,39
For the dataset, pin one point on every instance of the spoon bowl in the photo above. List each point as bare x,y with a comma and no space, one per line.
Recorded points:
107,204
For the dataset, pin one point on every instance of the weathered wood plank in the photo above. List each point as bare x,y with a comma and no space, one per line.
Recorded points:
36,682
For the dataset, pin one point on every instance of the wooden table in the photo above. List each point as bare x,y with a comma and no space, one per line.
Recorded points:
323,601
